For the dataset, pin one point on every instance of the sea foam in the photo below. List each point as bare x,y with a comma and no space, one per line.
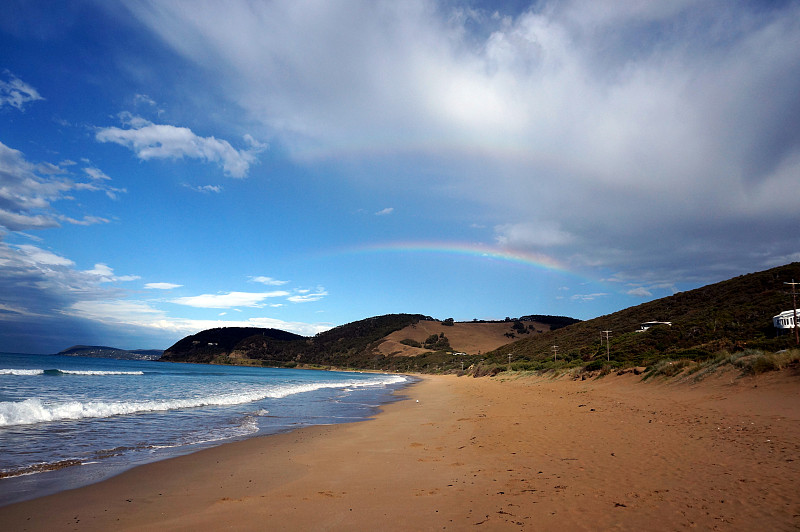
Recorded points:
31,411
98,373
21,371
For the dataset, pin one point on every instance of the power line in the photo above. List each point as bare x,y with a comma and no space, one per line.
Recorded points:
794,308
608,345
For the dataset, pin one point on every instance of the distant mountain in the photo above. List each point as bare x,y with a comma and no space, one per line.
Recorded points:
102,351
729,316
343,345
397,342
213,345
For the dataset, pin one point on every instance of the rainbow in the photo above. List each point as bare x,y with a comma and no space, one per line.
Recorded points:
463,249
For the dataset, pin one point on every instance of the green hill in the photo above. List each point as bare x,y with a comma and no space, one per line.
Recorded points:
209,345
728,316
349,345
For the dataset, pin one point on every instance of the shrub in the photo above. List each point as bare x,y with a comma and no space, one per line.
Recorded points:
762,365
596,364
755,362
437,342
526,366
483,370
693,354
519,327
667,368
410,342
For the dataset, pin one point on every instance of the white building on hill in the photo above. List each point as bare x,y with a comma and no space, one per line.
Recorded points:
646,325
784,320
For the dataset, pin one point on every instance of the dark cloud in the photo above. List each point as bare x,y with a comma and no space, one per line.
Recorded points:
653,138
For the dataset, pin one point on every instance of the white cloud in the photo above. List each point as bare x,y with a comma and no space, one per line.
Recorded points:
15,92
24,195
8,312
162,141
610,130
86,220
105,274
16,221
118,311
384,212
102,271
228,300
588,297
162,286
41,257
141,314
49,169
205,189
111,192
27,192
782,259
531,235
639,291
144,99
96,173
307,296
268,281
39,281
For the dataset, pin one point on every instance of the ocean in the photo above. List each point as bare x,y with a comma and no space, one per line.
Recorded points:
70,421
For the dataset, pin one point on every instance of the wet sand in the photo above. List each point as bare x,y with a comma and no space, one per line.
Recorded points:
488,454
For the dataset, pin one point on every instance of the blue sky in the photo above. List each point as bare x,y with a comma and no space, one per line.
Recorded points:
167,167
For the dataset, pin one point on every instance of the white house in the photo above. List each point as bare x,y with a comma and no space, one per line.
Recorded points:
784,320
646,325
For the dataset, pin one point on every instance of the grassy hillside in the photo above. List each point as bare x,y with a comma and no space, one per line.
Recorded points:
717,320
211,344
473,338
372,343
350,345
728,316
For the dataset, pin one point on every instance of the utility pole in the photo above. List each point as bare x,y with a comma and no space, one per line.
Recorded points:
608,346
509,362
555,353
794,308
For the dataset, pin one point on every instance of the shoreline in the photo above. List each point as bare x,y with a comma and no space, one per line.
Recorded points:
505,454
51,478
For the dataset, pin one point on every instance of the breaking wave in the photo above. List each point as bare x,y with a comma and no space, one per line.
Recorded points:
21,371
99,373
93,372
31,411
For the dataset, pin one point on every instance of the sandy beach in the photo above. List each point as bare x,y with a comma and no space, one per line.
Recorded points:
492,454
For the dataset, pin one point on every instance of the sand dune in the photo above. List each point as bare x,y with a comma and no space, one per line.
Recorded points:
483,454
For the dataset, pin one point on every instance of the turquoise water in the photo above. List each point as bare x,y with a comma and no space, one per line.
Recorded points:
69,421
